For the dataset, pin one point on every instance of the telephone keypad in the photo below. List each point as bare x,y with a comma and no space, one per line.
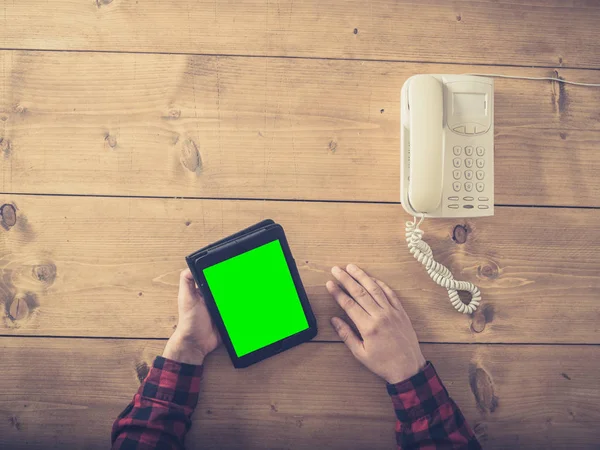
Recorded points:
462,178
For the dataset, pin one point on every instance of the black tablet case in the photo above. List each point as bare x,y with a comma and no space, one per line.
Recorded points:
229,240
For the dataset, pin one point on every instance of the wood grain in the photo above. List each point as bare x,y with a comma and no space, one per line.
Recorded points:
161,125
314,396
110,266
536,32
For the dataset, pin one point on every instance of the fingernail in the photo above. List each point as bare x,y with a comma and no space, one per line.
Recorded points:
334,322
352,267
335,269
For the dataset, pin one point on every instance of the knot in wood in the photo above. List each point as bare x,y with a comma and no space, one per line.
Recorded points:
44,273
9,215
190,156
459,235
111,140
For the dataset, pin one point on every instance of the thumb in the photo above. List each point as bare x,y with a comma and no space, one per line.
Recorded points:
186,282
347,335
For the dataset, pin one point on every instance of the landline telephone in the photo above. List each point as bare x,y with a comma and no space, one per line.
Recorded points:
447,162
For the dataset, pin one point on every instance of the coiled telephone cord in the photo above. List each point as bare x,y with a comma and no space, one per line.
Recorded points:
438,272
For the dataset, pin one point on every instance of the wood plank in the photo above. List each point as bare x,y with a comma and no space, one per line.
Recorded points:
536,32
109,266
314,396
162,125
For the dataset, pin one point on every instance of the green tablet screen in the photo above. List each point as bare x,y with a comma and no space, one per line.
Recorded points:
256,297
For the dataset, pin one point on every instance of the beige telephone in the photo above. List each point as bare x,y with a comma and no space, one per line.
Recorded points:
447,146
447,162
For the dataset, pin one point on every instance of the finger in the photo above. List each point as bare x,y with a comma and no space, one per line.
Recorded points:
390,294
353,309
347,335
356,291
367,282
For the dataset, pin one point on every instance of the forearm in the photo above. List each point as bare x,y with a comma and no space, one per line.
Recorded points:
159,415
427,416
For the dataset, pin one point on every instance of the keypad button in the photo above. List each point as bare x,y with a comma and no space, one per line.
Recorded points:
483,199
468,162
480,151
483,207
480,163
457,150
453,198
456,174
453,206
468,206
480,187
456,186
480,174
469,174
459,129
468,186
456,162
468,150
468,199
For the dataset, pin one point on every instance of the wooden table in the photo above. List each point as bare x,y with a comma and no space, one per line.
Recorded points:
132,133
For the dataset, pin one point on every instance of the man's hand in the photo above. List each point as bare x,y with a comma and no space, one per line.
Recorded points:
389,345
196,335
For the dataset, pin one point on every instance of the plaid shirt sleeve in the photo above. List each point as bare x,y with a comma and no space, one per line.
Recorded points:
427,416
159,415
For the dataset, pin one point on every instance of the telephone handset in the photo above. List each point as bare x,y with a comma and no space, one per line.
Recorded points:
447,161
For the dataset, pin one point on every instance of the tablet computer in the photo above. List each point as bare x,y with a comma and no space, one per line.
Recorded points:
253,291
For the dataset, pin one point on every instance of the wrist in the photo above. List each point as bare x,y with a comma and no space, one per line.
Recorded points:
406,373
182,350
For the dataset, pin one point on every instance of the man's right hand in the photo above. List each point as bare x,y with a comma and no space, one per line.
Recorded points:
389,345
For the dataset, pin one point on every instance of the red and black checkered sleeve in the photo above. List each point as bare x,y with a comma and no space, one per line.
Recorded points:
427,417
159,415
